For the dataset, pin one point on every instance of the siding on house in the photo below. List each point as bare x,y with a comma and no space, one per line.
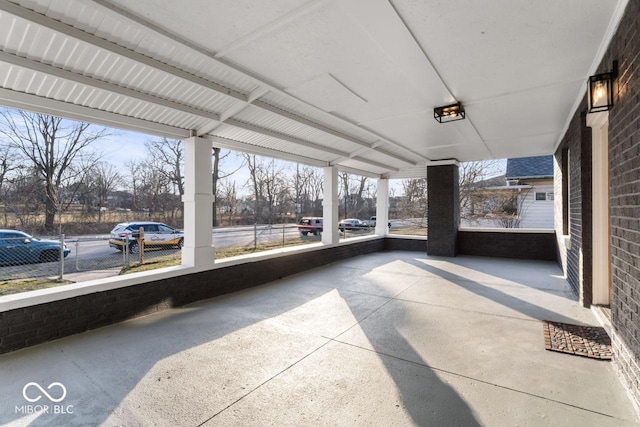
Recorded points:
532,213
537,213
562,239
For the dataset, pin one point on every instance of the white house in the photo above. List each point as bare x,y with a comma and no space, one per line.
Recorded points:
522,198
535,203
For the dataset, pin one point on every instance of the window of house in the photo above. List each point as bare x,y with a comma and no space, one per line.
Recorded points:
541,196
549,196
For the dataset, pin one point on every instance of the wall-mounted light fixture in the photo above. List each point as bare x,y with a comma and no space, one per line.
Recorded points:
600,90
449,113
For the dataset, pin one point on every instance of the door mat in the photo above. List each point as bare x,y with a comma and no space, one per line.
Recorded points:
587,341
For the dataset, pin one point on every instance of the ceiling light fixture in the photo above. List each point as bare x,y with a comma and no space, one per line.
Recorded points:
600,90
449,113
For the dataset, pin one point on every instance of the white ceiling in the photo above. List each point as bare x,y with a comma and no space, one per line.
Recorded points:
351,83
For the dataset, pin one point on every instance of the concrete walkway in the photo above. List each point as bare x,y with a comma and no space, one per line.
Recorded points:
394,338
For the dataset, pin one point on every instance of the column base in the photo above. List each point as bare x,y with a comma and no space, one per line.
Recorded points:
202,257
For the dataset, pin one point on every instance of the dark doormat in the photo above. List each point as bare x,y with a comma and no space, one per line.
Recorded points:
587,341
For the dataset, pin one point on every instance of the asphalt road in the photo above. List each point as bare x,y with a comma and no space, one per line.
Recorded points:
90,253
93,253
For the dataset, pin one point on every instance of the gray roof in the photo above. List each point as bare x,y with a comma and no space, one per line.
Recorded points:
530,167
496,181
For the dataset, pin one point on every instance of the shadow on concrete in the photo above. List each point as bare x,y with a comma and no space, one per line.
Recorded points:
102,367
427,399
483,290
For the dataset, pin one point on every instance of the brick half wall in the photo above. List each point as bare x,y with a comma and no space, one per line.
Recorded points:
36,324
504,244
27,326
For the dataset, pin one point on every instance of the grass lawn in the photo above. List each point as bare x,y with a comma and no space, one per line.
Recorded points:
172,260
8,287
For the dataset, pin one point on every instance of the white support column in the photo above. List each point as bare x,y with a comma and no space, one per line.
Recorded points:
330,206
382,207
601,236
198,204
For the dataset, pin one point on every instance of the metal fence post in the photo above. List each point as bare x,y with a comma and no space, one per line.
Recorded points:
61,258
141,246
283,235
255,236
125,251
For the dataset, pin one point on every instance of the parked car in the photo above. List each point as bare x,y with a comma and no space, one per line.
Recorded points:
372,222
156,234
311,225
18,248
352,224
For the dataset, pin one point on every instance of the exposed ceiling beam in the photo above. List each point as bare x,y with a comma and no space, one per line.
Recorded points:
297,118
138,20
40,67
231,144
234,109
37,104
308,144
357,171
77,78
85,37
317,126
397,157
278,135
382,166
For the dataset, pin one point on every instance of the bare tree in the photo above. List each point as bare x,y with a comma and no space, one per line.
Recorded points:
168,156
256,182
269,186
352,191
25,190
135,170
154,184
53,146
308,184
8,163
217,175
414,204
226,200
104,179
471,177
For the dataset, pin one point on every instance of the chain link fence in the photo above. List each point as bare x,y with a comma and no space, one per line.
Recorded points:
88,257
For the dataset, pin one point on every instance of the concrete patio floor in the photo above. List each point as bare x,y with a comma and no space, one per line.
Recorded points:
394,338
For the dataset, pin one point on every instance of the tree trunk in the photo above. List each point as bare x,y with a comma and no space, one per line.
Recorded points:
216,162
50,207
50,215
